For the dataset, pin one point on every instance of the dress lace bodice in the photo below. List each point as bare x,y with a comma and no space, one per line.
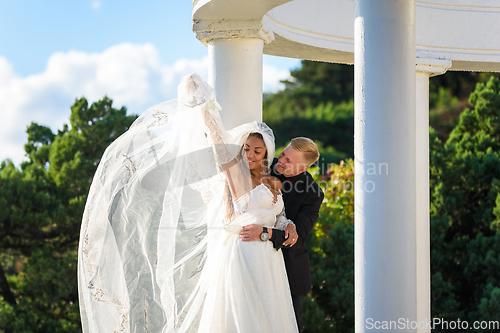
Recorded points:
263,207
259,198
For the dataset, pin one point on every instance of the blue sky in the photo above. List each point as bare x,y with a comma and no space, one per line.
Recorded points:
54,51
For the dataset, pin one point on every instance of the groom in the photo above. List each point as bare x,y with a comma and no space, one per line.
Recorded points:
303,198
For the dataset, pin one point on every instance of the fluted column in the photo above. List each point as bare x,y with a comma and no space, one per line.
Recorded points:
385,150
235,72
425,69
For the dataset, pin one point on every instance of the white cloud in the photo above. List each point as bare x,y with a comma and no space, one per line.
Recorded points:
271,78
130,74
7,72
96,5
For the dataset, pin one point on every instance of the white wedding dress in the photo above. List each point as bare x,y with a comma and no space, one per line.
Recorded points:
251,294
155,254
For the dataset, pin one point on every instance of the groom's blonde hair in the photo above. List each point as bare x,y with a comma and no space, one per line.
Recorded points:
308,149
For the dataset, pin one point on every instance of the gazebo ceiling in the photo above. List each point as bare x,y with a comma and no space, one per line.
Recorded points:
465,32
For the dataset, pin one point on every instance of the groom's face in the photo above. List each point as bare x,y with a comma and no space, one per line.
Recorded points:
290,162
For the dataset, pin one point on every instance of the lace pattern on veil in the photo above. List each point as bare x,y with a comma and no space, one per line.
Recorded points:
152,210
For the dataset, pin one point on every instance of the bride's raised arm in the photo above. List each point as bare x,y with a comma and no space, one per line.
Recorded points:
228,152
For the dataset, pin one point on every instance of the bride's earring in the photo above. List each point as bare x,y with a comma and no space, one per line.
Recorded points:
266,167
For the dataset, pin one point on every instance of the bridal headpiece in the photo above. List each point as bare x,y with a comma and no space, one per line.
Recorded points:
240,136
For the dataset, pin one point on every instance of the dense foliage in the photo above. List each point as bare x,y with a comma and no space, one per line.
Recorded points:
448,97
465,212
42,204
330,305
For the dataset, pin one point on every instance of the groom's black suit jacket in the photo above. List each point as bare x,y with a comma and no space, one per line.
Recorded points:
302,197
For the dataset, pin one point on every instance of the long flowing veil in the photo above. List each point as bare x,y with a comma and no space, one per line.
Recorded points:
152,208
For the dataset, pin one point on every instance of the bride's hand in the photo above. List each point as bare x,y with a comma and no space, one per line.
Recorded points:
191,85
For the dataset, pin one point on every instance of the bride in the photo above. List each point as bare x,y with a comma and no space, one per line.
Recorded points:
159,247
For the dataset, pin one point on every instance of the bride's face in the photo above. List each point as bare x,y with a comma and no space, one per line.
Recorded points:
255,151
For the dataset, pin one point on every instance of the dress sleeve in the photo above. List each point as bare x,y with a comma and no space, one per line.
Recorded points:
228,154
222,142
281,221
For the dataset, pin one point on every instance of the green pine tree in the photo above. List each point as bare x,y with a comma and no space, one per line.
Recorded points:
42,205
465,212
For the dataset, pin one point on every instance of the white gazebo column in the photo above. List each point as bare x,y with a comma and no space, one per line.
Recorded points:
385,181
425,69
235,66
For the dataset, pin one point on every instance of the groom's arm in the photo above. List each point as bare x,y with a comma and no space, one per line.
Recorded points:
304,222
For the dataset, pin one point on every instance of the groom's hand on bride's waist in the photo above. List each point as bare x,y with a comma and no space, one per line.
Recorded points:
252,232
291,235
